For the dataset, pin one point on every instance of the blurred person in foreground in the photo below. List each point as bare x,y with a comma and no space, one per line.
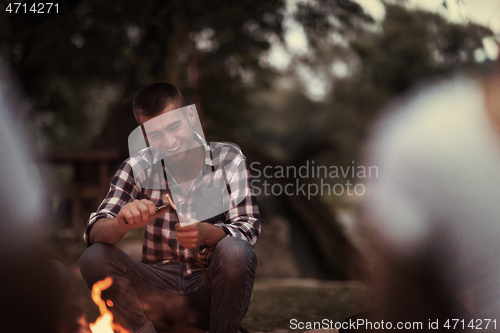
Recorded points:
33,287
168,291
435,207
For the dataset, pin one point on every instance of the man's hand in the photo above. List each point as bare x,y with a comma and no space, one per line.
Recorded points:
133,215
138,213
189,236
197,233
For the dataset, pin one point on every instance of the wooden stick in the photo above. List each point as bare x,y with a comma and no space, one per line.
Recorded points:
193,251
171,202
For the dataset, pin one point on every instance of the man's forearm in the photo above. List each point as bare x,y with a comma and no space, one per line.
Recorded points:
213,234
108,231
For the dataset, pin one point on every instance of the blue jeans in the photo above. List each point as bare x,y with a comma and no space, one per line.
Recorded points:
159,296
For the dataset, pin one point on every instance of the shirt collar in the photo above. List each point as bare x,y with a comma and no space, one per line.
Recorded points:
208,152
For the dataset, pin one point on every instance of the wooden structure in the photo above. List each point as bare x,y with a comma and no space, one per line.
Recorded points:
82,187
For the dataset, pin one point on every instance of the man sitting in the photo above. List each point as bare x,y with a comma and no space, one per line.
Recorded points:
167,290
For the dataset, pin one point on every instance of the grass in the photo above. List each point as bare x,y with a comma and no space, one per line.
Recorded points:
274,306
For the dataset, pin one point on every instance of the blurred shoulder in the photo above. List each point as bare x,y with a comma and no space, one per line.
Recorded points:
434,118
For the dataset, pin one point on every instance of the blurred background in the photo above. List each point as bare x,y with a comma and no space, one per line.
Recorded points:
291,82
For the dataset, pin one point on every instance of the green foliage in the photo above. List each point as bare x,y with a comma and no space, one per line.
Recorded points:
384,60
81,71
208,48
415,45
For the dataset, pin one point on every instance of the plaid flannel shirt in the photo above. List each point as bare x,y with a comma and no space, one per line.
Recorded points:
160,242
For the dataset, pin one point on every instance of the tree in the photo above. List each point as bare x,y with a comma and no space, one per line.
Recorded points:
209,49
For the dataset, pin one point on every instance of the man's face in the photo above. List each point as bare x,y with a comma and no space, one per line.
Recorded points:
170,132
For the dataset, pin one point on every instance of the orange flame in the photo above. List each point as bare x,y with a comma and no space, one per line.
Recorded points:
104,323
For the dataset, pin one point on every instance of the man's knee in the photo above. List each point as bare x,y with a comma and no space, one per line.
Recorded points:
94,262
234,257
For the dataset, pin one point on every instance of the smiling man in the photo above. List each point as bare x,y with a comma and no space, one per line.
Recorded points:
209,182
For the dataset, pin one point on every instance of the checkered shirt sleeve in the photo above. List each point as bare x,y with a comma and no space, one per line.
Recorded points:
123,190
243,217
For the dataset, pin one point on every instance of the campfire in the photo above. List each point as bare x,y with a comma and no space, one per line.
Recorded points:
104,323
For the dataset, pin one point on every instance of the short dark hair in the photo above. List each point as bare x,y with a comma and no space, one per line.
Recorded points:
155,97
